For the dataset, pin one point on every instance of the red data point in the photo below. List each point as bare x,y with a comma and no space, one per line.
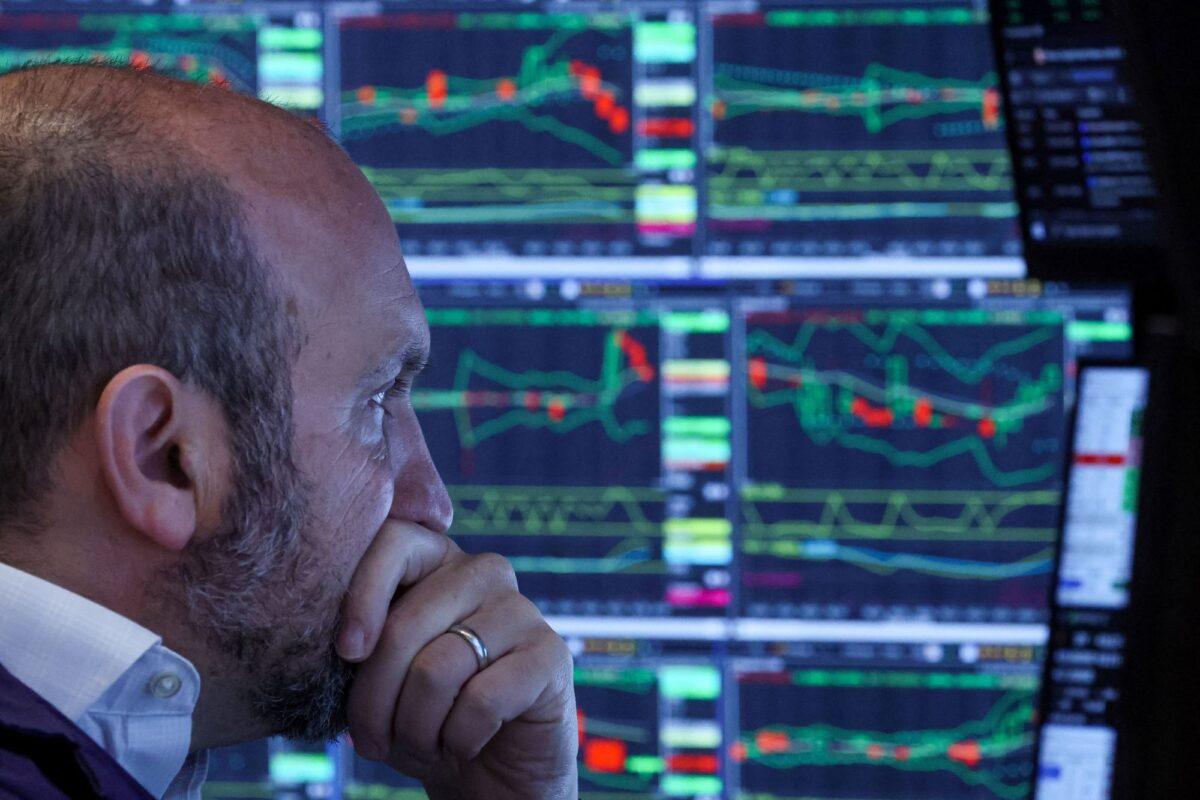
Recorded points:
987,427
758,373
365,95
533,400
556,410
967,752
604,755
923,413
506,89
903,753
771,742
605,105
875,752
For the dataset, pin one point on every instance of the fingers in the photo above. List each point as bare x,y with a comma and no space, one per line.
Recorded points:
401,554
440,670
455,591
530,682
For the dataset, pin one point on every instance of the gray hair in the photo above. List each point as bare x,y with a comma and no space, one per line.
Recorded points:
116,249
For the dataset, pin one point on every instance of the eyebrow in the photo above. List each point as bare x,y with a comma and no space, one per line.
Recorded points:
412,357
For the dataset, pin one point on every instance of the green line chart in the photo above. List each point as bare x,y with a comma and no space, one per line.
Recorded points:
557,400
216,49
881,97
489,196
1002,734
894,390
548,92
897,515
570,511
851,137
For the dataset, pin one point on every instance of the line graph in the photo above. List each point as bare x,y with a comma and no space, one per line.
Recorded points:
545,426
557,400
505,130
444,104
901,464
893,389
974,741
209,49
881,97
618,731
913,107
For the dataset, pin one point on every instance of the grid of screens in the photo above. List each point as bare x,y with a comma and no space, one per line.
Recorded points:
799,531
800,534
648,138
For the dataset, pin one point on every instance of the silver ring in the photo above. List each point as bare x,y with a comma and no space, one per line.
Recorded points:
472,638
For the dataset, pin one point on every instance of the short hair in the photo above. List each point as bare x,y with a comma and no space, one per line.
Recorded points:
118,247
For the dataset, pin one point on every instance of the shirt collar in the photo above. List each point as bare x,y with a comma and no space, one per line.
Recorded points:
65,647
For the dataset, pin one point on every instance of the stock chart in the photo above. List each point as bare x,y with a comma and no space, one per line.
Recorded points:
901,462
856,130
524,132
545,427
888,734
265,54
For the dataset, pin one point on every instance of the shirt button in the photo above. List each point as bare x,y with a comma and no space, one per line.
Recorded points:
165,684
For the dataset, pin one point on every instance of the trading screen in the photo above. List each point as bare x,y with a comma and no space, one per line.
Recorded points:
1082,699
799,534
1082,161
846,131
268,50
731,359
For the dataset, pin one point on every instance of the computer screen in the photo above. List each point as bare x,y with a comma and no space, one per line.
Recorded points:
773,520
854,137
702,368
660,138
265,49
1082,696
1081,160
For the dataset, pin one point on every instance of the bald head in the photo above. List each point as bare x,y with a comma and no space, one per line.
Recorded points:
125,238
206,334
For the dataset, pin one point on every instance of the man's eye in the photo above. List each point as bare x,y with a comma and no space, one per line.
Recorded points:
397,389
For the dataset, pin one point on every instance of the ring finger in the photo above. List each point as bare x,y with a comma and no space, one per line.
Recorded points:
439,671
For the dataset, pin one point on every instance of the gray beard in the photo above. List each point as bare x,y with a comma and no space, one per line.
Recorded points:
262,598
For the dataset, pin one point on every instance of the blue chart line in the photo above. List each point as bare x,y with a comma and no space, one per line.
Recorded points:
888,563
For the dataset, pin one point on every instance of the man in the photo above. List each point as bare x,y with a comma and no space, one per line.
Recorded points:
218,516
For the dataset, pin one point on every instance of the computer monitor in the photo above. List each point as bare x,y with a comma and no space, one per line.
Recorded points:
1082,166
1082,696
854,139
265,49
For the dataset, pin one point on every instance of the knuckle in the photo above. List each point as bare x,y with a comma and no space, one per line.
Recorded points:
493,568
484,704
431,671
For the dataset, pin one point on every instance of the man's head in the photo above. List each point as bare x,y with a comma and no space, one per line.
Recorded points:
206,335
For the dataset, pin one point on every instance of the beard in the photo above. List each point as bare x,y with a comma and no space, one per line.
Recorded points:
263,596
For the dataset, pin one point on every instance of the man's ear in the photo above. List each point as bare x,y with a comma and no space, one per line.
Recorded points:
145,439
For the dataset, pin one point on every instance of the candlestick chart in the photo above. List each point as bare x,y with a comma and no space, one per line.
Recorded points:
502,127
545,427
902,463
891,735
909,97
221,50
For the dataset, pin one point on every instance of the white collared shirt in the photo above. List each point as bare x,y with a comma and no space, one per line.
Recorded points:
108,675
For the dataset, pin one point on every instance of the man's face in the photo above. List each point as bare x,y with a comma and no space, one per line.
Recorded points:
359,454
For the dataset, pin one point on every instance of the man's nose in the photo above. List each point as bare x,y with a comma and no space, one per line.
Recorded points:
420,496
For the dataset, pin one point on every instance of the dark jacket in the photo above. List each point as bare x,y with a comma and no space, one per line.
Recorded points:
44,756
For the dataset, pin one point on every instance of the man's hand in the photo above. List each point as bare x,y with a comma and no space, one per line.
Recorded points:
418,701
